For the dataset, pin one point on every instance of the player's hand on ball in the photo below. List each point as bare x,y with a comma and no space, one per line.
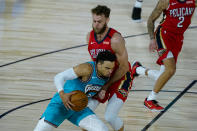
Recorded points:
66,99
101,94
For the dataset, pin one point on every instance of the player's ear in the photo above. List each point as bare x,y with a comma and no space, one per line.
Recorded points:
107,20
99,64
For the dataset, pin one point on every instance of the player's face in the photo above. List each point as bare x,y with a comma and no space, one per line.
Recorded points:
99,23
106,68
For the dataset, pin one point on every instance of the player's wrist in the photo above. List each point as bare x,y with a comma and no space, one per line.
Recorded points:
61,93
59,90
152,37
106,86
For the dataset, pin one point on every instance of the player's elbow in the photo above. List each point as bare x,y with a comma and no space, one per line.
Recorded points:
125,68
57,78
150,21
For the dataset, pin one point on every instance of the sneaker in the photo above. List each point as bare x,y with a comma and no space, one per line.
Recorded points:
136,14
134,67
153,105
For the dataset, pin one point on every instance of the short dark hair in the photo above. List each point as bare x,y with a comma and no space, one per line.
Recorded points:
101,9
105,56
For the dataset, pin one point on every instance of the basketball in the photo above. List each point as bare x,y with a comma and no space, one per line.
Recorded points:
80,100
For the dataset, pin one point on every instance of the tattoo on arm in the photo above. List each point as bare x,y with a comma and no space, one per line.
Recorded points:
160,7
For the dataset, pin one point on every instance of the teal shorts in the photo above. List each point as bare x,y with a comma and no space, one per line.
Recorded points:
56,113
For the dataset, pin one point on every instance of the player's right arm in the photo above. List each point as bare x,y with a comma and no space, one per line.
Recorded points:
160,7
82,70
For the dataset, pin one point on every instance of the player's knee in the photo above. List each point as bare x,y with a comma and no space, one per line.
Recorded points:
92,123
43,126
103,127
98,126
109,117
171,70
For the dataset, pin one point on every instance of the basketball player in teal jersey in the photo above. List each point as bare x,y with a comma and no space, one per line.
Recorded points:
87,77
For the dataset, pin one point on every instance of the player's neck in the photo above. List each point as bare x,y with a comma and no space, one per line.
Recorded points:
99,74
101,36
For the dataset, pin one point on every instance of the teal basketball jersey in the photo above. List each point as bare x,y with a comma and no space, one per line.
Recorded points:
90,87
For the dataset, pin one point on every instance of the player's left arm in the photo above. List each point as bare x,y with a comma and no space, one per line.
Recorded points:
118,46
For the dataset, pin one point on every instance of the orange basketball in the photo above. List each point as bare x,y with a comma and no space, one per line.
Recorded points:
80,100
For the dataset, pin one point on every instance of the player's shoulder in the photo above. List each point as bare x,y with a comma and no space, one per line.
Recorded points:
164,1
117,38
163,4
117,43
85,68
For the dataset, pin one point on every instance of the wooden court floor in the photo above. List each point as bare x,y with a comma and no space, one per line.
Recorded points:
40,38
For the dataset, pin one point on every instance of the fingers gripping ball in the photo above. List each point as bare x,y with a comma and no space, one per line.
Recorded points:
80,100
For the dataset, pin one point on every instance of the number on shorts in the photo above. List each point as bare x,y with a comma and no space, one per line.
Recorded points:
181,21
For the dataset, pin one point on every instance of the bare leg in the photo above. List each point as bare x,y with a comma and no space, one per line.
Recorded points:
170,68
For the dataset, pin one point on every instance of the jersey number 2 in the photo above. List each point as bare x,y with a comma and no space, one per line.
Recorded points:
181,21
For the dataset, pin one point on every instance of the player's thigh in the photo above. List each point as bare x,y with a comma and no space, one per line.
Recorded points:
56,113
77,116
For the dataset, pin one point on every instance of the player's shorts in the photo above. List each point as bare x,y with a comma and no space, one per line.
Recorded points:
56,113
167,41
121,87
